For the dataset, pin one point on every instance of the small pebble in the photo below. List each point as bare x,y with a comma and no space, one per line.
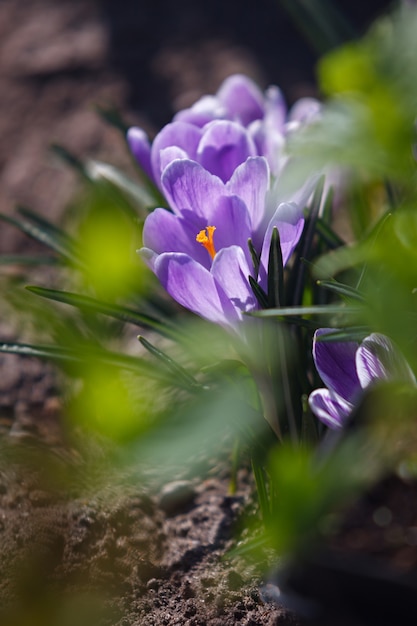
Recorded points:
175,496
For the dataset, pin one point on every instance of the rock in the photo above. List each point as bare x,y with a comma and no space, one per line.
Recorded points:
175,496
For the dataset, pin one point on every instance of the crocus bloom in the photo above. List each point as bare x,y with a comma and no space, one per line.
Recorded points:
347,368
220,132
199,251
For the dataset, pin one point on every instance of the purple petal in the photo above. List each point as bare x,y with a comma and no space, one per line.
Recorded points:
294,184
335,362
231,219
242,98
330,408
250,182
141,149
275,109
188,186
167,155
289,221
378,358
206,109
165,232
231,271
194,287
179,134
268,133
305,110
269,143
271,137
223,146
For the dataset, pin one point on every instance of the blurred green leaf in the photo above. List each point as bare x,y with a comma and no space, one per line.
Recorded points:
137,193
47,234
122,313
21,259
369,123
342,290
112,116
326,309
354,333
320,21
94,357
108,238
172,365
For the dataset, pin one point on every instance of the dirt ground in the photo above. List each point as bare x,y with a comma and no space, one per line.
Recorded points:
76,553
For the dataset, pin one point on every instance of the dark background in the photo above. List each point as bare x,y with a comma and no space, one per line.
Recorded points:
263,30
60,58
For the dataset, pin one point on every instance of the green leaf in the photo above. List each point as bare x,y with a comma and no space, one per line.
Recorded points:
341,289
339,260
113,117
96,170
258,292
331,238
40,351
45,235
322,24
298,271
328,309
172,365
299,321
21,259
70,159
88,354
255,257
261,481
54,231
354,333
122,313
275,272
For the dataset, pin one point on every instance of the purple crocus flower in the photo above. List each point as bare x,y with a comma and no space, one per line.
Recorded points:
220,132
347,368
199,251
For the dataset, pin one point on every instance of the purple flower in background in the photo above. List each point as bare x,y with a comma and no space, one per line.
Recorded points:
220,132
199,251
347,368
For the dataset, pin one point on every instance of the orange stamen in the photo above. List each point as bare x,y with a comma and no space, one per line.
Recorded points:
206,240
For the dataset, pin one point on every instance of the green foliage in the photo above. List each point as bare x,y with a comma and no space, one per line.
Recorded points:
184,389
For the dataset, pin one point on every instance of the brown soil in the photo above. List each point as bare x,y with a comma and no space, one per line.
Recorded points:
102,550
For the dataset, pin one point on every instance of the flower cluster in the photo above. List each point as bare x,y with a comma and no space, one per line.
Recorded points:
220,132
213,164
347,368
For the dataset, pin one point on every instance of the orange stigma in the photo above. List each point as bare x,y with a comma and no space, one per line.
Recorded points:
206,240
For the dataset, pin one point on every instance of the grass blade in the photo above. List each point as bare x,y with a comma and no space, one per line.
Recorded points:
122,313
307,310
172,365
341,289
96,170
331,238
320,22
88,354
44,236
259,293
255,257
275,272
298,273
355,333
113,117
47,226
20,259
